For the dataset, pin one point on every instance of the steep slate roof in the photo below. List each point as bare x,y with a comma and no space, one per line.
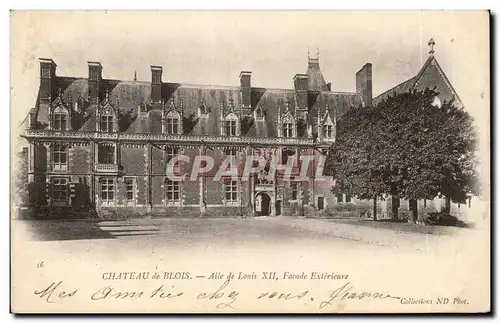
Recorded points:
431,75
316,79
133,97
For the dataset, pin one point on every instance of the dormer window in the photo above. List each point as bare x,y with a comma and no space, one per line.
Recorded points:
231,125
60,121
288,130
288,126
106,123
172,123
203,111
259,114
328,131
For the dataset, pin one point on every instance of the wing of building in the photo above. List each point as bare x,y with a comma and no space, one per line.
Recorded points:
105,145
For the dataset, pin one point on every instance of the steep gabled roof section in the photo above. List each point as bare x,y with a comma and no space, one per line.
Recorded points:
431,76
316,79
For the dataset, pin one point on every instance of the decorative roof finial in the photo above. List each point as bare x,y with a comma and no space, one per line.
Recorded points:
60,93
431,44
107,94
135,76
317,53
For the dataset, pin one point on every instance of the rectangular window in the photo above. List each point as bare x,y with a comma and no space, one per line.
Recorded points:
106,123
59,156
106,154
231,152
230,128
129,189
173,191
60,189
328,131
172,126
340,198
231,191
107,188
470,198
60,121
287,130
348,198
295,191
172,152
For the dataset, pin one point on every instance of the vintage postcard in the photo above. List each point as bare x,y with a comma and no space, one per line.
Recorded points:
250,162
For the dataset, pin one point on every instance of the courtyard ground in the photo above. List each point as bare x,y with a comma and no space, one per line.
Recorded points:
239,231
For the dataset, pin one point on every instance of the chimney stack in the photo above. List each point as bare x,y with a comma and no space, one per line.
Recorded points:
301,84
95,81
156,83
246,91
364,84
47,79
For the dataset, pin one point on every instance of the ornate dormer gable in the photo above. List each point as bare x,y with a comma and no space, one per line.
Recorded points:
328,126
107,115
258,114
60,113
79,106
171,117
230,122
143,108
288,124
203,111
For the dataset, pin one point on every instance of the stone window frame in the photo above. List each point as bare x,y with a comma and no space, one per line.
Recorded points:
126,181
288,126
173,187
108,121
114,150
57,150
57,183
110,184
231,123
259,114
231,187
60,119
172,123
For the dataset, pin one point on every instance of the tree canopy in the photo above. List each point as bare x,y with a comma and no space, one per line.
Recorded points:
407,146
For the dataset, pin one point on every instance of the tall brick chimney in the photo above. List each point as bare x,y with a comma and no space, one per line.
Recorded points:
246,91
364,84
47,79
300,84
156,82
95,81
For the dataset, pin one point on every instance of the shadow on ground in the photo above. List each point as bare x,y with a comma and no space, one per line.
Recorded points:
53,230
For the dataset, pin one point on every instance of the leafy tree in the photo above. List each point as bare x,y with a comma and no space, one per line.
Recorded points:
354,156
407,147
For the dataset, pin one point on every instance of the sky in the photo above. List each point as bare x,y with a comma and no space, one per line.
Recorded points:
212,47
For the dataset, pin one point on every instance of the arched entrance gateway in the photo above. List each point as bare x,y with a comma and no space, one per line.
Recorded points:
262,204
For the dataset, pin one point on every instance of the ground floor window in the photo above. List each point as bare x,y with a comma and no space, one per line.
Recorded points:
107,188
60,189
295,190
321,202
129,189
173,191
231,191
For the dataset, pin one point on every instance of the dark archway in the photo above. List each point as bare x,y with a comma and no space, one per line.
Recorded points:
262,204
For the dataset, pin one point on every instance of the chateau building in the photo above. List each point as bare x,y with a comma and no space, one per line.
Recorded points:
103,144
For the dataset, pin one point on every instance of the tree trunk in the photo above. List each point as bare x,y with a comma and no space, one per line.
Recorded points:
414,211
447,205
375,208
395,207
